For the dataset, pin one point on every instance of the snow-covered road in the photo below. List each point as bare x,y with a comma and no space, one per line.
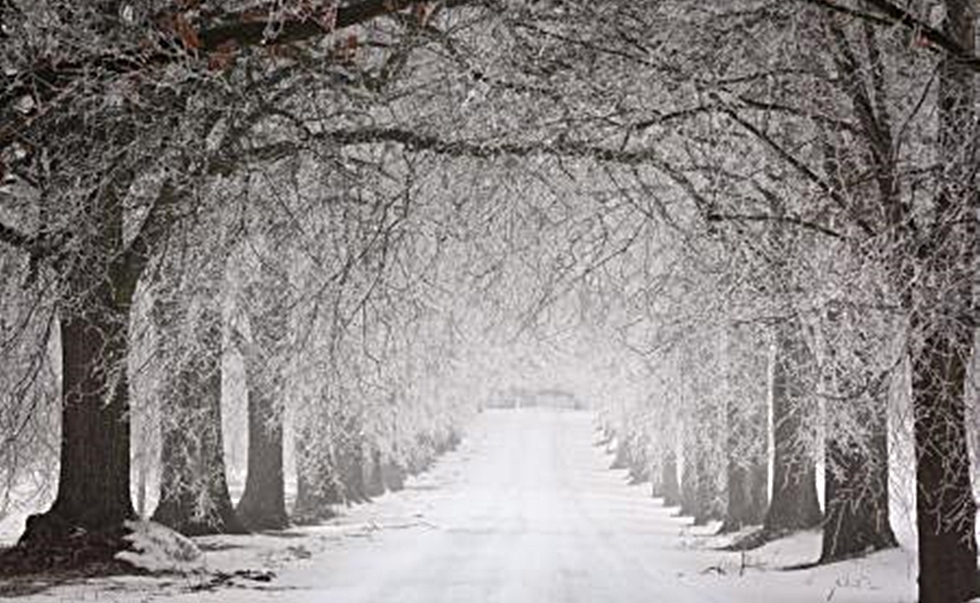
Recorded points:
529,512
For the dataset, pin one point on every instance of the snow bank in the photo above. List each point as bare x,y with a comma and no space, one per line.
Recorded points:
157,548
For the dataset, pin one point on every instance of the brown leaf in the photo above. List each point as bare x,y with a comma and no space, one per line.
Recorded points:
223,56
186,32
326,17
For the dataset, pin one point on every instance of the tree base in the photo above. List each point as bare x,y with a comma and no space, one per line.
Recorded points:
180,517
755,539
51,544
313,516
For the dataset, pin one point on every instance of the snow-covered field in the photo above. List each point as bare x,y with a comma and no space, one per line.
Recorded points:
525,510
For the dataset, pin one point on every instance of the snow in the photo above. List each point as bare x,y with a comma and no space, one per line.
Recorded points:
526,510
157,548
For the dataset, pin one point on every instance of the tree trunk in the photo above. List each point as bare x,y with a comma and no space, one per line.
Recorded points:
945,509
856,452
623,451
689,476
93,500
374,485
350,464
263,505
746,505
794,505
941,336
393,475
707,495
746,471
856,494
639,464
194,498
93,484
672,494
317,488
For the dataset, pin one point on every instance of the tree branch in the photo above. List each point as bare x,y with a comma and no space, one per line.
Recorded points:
244,30
48,78
803,169
130,265
893,14
714,217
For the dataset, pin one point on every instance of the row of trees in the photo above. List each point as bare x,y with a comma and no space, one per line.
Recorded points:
168,212
832,178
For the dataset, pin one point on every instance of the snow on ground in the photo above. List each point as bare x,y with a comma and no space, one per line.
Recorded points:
525,510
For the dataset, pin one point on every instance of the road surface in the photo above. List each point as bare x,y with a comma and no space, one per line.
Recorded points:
528,512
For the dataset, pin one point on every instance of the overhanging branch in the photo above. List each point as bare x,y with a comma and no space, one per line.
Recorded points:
243,30
802,168
48,78
892,14
721,217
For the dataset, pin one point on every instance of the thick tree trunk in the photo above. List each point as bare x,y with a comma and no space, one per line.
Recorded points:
945,509
700,496
86,520
707,494
621,459
317,489
856,477
93,486
194,498
941,335
794,504
747,472
639,463
746,505
263,505
350,465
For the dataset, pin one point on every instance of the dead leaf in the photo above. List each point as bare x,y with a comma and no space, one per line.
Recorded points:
186,32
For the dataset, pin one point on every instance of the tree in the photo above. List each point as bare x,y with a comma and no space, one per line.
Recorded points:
747,470
940,303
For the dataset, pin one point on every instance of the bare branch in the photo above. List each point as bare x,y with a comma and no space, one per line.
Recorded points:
897,15
802,168
715,217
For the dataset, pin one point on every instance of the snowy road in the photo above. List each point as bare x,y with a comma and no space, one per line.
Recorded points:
527,512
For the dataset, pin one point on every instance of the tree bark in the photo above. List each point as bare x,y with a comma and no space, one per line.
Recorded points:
374,485
856,447
856,489
672,494
794,504
93,483
350,462
945,509
941,336
263,504
317,487
194,498
747,471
